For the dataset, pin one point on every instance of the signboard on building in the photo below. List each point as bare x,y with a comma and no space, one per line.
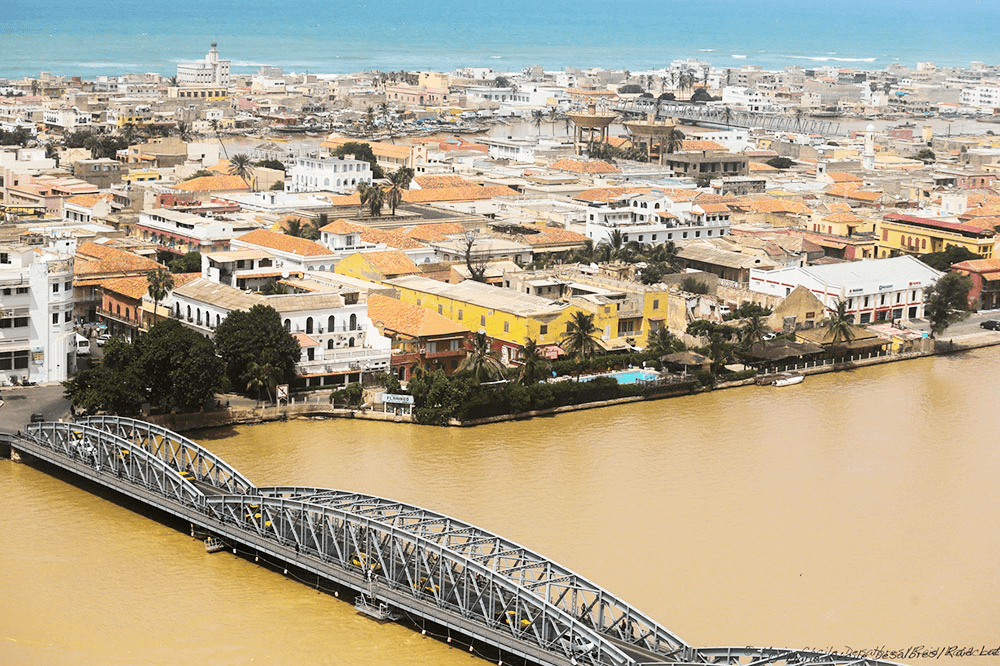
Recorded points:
397,399
281,392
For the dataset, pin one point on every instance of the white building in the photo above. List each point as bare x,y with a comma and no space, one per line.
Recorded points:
183,232
290,252
66,118
874,289
37,338
211,71
654,219
515,150
337,338
981,97
747,99
328,174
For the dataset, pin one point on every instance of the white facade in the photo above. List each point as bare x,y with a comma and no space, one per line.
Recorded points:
211,71
183,232
652,219
333,328
987,97
516,150
874,289
37,338
332,174
67,119
747,99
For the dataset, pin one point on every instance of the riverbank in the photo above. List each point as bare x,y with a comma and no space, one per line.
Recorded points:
319,408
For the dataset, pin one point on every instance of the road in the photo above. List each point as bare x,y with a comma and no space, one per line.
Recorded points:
20,402
968,326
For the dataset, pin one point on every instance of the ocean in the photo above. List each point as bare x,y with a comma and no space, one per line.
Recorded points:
87,38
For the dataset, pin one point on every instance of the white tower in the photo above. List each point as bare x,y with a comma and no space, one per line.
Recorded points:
868,159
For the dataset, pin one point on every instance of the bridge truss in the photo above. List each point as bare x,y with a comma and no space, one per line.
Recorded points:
426,564
728,117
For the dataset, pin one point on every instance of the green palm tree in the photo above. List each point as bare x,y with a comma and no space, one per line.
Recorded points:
261,376
484,363
241,165
840,328
615,241
663,342
400,180
215,128
372,196
580,338
753,331
294,227
532,362
674,140
160,283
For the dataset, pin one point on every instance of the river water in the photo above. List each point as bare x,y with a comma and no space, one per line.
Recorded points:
857,509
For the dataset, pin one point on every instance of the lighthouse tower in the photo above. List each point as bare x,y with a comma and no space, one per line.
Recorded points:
868,159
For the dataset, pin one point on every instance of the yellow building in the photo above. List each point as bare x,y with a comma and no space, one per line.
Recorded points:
142,176
908,234
377,266
211,93
508,317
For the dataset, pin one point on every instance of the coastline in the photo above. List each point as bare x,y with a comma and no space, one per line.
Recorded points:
232,416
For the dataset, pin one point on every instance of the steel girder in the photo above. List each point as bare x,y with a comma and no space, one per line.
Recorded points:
770,656
734,117
388,555
110,454
179,452
531,573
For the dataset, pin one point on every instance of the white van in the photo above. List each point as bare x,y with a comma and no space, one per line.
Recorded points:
82,346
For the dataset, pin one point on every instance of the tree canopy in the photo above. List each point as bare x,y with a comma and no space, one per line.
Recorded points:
255,336
943,261
188,263
780,162
947,301
361,151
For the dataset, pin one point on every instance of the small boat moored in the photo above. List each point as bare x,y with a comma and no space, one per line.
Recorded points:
214,545
787,379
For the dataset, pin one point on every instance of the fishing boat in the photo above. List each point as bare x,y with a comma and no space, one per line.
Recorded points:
214,545
787,379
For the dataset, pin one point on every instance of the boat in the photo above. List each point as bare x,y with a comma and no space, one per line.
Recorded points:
214,545
787,379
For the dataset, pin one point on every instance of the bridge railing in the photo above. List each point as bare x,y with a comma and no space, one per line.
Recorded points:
548,581
406,563
180,453
108,454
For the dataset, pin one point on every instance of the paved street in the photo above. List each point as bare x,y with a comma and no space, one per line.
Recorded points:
21,402
969,326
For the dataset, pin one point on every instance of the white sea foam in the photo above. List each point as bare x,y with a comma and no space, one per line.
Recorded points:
828,58
104,65
706,50
737,55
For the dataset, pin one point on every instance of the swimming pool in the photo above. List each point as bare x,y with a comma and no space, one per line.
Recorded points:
626,376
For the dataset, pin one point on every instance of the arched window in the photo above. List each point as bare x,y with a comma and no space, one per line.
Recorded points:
326,182
198,316
177,310
189,313
118,310
330,323
218,320
923,244
329,343
128,313
288,325
350,342
309,325
354,323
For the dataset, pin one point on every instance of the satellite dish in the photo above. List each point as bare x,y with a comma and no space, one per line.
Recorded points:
284,274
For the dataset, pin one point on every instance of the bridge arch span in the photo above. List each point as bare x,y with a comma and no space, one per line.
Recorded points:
179,452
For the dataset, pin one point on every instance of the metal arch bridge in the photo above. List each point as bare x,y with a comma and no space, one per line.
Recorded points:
727,116
407,559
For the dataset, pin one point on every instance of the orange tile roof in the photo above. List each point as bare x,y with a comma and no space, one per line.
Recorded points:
344,199
981,211
604,194
378,148
978,265
714,208
839,207
88,200
850,191
760,166
553,236
435,232
843,217
305,340
96,259
778,206
395,239
410,320
444,180
700,144
619,141
130,287
584,166
391,262
844,177
213,184
984,223
341,227
273,240
467,193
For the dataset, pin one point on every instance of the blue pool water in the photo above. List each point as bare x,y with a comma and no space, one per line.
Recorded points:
626,376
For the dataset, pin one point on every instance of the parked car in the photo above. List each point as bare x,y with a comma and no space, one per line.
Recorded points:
37,417
102,338
990,324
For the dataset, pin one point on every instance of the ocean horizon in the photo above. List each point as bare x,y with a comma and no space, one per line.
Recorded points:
316,36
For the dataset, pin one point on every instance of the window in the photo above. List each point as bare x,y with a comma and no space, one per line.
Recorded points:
68,286
55,288
17,360
482,320
506,327
460,314
68,316
55,317
440,309
656,304
543,329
